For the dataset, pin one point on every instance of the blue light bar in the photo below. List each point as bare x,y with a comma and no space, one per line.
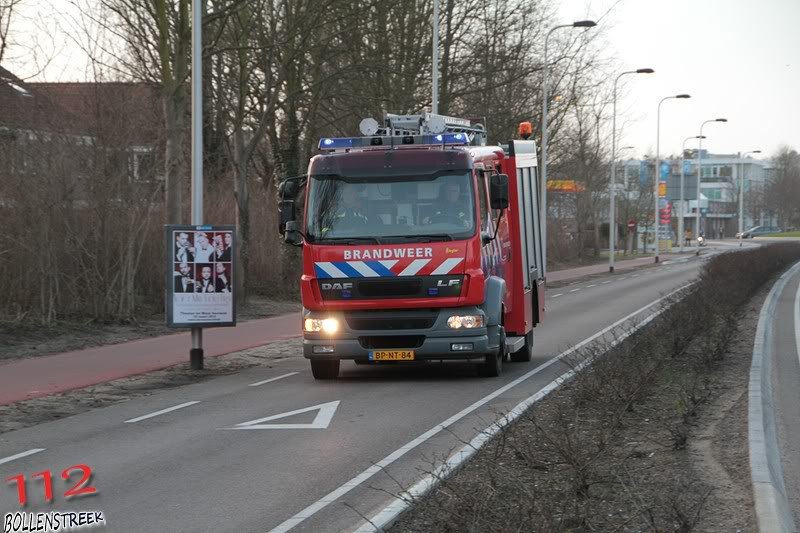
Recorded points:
450,138
334,143
348,143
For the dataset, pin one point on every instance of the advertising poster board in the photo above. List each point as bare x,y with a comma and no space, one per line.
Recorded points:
200,288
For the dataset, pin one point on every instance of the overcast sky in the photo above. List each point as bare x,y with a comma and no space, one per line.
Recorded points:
739,59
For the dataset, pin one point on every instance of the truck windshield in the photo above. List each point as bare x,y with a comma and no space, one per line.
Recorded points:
390,209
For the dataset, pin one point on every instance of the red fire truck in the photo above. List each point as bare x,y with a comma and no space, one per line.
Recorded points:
420,243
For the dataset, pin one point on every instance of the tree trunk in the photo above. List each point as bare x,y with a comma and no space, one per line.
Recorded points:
242,197
174,160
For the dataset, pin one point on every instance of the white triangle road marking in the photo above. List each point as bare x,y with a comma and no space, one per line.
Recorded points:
321,421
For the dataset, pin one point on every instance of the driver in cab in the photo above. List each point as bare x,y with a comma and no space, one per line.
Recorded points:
347,213
449,208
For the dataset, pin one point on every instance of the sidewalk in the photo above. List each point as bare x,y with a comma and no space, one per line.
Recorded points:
40,376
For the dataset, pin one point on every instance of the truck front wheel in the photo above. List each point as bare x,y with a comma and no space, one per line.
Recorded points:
325,369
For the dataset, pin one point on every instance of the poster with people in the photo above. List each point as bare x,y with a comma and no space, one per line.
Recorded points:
200,286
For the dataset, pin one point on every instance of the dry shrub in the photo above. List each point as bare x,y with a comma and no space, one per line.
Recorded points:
602,452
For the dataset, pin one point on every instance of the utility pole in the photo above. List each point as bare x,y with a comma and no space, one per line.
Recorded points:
435,58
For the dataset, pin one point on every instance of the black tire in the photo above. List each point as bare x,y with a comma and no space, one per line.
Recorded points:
492,365
325,369
524,354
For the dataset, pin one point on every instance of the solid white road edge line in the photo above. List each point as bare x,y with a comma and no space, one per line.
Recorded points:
400,452
399,504
161,412
773,512
20,455
270,380
797,321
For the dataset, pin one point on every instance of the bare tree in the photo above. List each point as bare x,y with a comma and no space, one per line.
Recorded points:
7,8
783,192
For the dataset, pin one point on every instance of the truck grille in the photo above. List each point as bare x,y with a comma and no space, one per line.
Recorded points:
391,342
391,319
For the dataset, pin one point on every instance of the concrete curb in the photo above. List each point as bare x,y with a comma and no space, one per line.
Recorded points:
773,512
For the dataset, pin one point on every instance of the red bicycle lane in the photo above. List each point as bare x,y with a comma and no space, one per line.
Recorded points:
49,374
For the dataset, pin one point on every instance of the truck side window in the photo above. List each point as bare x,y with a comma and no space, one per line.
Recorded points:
483,199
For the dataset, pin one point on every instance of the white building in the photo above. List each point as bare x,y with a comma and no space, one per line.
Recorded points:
721,178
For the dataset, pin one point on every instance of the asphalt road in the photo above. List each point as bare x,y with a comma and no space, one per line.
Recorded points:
786,393
188,469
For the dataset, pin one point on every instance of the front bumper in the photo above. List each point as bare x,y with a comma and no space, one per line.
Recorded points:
423,331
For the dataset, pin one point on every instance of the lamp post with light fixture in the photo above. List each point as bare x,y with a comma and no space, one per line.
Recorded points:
683,201
657,176
612,222
741,192
699,168
545,96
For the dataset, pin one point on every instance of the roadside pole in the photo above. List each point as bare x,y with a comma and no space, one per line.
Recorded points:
196,352
435,58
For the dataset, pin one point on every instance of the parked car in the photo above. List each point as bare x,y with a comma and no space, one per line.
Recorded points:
758,230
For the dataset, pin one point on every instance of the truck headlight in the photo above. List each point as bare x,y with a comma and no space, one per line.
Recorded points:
326,325
465,321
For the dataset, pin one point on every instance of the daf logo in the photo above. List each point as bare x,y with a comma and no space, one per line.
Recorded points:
335,286
448,282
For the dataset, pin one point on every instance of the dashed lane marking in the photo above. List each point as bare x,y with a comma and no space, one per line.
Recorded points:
270,380
20,455
161,412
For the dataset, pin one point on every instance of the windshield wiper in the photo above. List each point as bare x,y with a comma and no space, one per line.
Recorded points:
348,240
423,238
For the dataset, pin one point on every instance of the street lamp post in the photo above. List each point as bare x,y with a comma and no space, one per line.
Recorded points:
435,63
657,176
612,193
741,192
196,352
699,168
683,201
545,96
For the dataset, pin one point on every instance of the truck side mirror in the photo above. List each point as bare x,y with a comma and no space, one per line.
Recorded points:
287,214
288,189
498,191
292,235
